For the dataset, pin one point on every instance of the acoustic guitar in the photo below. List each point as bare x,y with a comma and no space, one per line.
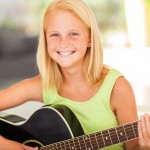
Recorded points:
59,129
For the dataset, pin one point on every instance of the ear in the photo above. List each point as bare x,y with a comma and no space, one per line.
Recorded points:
89,44
89,41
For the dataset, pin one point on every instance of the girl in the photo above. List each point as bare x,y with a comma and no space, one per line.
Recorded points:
72,73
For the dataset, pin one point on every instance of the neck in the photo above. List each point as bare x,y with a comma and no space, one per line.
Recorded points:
73,75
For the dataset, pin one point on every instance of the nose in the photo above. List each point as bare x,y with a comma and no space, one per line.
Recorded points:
63,41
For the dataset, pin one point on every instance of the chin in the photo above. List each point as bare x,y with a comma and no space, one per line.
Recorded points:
65,66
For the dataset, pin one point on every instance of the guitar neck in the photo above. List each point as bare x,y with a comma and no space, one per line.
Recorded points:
119,134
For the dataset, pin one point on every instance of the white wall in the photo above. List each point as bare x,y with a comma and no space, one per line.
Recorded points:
134,64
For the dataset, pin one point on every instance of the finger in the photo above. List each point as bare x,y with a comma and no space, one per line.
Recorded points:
143,127
147,124
140,130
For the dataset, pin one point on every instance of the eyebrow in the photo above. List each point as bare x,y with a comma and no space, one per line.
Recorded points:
71,30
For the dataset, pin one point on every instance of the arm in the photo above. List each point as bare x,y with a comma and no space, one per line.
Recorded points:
29,89
123,105
8,144
144,132
26,90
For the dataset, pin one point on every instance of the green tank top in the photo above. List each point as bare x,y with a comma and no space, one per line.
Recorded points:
94,114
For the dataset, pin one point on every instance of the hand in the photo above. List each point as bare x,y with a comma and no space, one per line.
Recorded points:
6,144
144,132
29,148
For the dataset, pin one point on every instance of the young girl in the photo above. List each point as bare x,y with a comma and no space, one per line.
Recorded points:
72,73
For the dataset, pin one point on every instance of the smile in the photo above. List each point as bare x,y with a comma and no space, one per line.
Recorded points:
63,53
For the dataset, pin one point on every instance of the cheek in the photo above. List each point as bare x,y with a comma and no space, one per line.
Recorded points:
50,50
83,45
50,46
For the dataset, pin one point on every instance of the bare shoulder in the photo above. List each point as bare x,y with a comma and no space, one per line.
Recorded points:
123,105
122,98
29,83
29,89
33,81
122,92
21,92
34,87
122,85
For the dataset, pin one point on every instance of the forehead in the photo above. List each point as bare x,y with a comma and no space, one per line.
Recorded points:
62,18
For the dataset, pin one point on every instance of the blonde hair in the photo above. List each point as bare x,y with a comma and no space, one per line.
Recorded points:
93,64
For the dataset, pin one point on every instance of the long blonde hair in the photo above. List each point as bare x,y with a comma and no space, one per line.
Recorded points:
49,70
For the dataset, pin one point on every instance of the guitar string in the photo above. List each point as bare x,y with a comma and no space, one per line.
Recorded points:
98,136
95,145
72,139
86,145
80,147
74,147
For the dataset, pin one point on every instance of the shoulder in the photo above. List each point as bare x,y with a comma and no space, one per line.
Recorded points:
122,98
107,70
33,81
122,92
123,104
122,86
122,95
111,74
33,86
30,83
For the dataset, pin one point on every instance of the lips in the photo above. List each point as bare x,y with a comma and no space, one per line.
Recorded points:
65,53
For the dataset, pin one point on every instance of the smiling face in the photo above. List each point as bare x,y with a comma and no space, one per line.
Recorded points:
67,38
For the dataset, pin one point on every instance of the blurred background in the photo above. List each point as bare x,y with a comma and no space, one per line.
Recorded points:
125,32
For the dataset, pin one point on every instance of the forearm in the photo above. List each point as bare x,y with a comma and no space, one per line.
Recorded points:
6,144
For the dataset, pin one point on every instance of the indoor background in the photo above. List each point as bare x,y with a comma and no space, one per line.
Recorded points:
125,33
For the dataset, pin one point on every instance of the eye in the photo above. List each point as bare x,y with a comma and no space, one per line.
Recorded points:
54,35
73,34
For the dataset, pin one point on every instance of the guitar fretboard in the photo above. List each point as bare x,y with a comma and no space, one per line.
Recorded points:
94,141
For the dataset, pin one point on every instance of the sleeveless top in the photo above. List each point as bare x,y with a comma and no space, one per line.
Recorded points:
94,114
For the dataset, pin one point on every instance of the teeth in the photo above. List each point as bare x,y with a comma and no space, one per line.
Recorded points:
66,53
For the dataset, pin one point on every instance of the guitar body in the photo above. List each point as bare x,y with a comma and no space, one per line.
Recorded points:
58,128
46,126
